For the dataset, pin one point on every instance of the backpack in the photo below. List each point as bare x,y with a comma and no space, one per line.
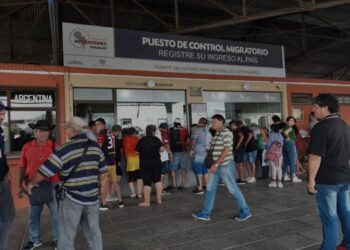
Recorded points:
274,152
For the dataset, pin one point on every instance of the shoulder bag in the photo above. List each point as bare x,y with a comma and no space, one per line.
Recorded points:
60,189
209,160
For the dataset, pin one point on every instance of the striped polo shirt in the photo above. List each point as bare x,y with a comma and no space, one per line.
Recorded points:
223,139
82,187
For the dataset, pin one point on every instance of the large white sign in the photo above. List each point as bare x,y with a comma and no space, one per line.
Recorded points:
108,48
86,40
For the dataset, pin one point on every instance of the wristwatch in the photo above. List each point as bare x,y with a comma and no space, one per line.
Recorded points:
216,165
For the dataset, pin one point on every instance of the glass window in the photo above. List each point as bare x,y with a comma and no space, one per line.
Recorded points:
301,98
4,125
21,132
139,108
84,94
249,107
344,99
32,99
92,111
26,106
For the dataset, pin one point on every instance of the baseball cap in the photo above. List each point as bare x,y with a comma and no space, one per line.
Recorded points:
75,122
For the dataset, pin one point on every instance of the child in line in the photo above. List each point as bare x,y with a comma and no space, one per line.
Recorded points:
274,156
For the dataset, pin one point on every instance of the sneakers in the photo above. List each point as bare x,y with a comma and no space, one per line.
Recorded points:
197,191
103,207
111,198
250,180
295,179
287,178
240,182
280,185
32,245
201,216
165,192
170,188
121,204
180,188
273,184
243,217
133,196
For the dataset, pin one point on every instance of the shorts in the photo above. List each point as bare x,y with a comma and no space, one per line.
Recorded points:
150,175
165,167
132,163
239,155
198,166
119,170
134,176
179,161
111,175
250,157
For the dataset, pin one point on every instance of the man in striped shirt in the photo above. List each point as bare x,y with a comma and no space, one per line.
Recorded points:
223,167
81,204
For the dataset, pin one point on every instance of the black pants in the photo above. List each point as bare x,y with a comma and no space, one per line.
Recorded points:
265,169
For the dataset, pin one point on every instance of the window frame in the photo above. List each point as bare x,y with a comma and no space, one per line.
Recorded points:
301,103
56,109
343,95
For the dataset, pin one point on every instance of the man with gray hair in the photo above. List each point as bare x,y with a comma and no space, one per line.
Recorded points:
81,165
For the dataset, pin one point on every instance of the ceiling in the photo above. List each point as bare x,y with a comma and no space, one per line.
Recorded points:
314,33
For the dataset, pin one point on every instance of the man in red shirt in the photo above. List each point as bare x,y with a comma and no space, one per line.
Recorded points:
34,154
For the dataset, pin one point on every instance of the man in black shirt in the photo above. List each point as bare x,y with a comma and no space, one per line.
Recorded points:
329,171
7,210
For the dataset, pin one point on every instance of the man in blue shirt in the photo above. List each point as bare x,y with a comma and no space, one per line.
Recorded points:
7,209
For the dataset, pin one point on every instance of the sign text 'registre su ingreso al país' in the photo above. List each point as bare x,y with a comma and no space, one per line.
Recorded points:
108,48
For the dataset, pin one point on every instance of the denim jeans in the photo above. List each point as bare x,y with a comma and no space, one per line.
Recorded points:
34,219
198,166
334,202
227,174
289,157
7,213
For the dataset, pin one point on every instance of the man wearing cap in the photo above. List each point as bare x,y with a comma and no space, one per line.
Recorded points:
7,209
33,155
79,203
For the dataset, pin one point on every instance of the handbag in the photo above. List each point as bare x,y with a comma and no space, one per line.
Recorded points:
209,159
60,190
42,194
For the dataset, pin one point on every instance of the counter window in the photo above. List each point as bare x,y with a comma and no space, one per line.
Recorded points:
249,107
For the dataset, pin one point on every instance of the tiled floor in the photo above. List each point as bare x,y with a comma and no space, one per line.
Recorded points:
282,219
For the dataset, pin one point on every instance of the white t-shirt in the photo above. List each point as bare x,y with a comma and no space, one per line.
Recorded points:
164,156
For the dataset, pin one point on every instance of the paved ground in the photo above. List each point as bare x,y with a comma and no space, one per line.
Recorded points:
282,219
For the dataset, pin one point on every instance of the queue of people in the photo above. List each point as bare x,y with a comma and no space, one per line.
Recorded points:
77,179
